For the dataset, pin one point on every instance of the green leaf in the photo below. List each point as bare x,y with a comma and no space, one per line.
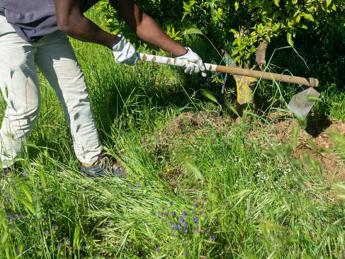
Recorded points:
289,39
237,5
209,95
309,17
4,237
195,170
192,31
76,237
277,3
28,206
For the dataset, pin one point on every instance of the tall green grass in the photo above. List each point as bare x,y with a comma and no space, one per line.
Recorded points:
202,190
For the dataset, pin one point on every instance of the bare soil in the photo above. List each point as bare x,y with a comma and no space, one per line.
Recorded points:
182,131
315,142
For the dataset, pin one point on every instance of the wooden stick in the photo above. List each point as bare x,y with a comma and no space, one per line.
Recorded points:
311,82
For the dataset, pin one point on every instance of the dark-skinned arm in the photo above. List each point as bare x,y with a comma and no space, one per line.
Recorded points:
145,27
71,20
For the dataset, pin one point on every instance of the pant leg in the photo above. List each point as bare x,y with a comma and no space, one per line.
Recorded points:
56,59
20,89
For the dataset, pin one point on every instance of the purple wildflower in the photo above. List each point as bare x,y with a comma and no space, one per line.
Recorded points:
185,229
176,227
196,219
184,214
182,219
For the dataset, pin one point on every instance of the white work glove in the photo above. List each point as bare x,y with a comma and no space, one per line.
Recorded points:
124,52
194,63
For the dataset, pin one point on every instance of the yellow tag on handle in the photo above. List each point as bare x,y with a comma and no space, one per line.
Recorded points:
244,92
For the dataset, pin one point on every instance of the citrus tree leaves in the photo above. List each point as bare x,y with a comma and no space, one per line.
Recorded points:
238,26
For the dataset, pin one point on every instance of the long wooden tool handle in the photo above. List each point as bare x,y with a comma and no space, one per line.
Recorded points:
311,82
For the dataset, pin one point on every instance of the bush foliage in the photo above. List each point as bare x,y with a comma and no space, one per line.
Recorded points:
238,26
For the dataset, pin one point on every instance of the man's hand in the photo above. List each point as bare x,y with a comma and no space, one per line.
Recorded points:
194,63
124,52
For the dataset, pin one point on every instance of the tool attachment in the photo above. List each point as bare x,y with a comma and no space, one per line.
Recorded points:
311,82
300,105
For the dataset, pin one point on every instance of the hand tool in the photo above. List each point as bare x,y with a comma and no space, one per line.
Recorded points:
300,104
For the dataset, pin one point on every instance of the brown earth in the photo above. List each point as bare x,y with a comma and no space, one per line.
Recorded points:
315,143
187,127
183,130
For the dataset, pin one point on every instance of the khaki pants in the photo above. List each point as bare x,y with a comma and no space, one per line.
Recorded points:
19,85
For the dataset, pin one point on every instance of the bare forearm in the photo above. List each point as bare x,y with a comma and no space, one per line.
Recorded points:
149,31
75,24
86,30
145,27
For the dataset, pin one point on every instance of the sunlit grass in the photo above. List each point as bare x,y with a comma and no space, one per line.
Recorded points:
201,190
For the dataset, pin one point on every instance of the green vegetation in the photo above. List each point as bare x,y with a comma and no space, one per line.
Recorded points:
238,26
200,185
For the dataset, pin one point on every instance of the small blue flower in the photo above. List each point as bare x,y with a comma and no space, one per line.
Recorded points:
176,227
185,229
182,219
184,214
196,219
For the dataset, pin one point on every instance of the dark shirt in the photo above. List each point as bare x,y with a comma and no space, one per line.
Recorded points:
33,19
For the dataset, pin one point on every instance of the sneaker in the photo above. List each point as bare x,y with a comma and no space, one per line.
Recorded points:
104,166
7,171
15,169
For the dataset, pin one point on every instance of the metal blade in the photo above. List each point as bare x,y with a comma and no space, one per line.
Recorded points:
302,103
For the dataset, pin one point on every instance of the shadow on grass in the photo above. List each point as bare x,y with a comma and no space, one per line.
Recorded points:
129,98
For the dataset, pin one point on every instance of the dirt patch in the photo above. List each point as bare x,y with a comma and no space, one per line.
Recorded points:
181,133
310,145
305,144
187,127
194,121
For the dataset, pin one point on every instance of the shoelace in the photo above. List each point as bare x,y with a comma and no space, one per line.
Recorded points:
104,162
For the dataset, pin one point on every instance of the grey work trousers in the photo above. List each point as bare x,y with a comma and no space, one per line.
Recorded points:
19,85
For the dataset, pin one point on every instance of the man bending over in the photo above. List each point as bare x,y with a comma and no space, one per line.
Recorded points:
34,33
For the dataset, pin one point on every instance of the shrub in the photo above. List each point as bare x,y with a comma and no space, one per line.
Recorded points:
236,26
